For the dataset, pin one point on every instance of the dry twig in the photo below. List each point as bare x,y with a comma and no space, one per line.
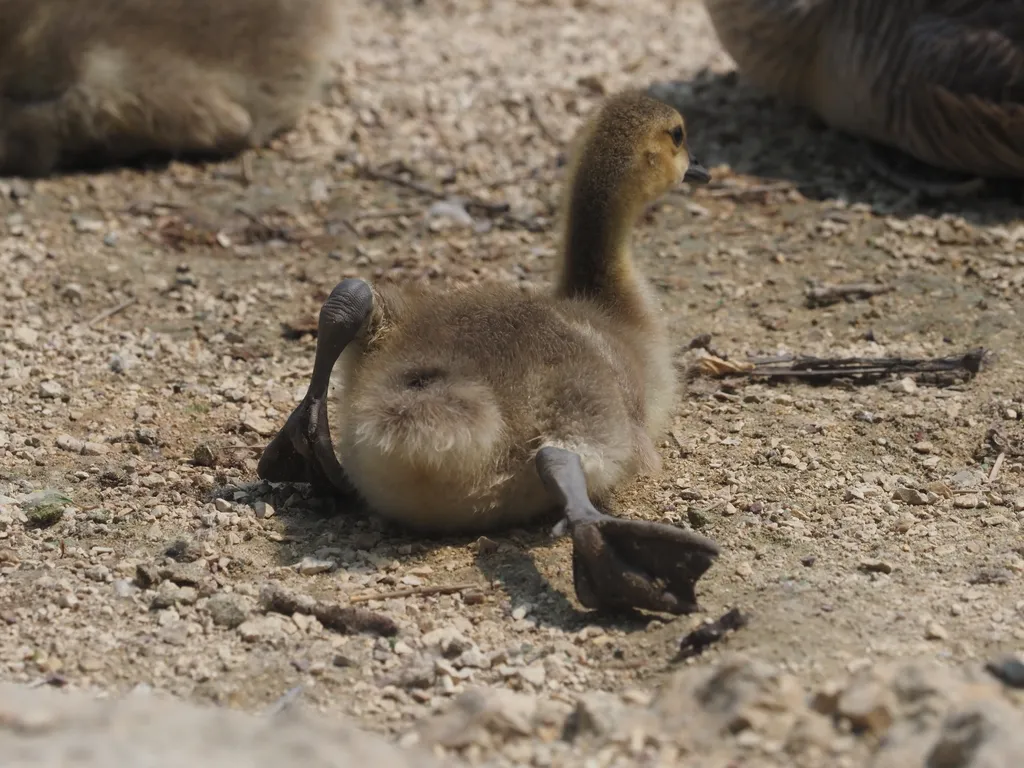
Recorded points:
705,635
264,231
531,106
247,173
757,189
996,466
147,207
501,210
341,618
393,213
108,313
414,592
826,369
826,295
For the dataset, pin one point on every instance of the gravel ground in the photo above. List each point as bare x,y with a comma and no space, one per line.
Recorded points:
155,332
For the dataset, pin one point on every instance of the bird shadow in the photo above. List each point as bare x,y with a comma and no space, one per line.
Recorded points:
735,124
344,530
84,164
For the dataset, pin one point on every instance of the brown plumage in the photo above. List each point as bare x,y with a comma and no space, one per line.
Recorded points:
942,80
106,81
446,399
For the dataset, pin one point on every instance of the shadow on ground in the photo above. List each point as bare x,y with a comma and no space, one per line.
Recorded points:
732,123
343,529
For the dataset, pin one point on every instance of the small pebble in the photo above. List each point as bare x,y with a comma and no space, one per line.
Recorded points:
1009,670
227,610
907,385
311,566
70,444
871,565
259,425
26,337
263,510
50,389
534,674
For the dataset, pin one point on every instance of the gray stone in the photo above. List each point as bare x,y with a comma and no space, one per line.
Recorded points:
228,610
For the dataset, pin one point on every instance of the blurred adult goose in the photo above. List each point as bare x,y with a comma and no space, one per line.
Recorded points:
941,80
106,81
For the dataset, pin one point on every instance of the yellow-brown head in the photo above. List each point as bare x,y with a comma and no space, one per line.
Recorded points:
633,151
656,133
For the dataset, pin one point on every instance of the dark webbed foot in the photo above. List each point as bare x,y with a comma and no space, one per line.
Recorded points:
302,451
623,564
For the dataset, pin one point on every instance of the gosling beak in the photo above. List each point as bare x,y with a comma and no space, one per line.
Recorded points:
696,173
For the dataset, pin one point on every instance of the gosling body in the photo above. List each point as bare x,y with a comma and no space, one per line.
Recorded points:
443,437
480,408
941,80
446,400
109,81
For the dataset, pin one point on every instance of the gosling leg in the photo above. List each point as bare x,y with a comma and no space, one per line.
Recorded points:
620,564
303,451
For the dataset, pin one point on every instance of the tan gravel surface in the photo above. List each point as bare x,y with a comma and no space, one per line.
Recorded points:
154,334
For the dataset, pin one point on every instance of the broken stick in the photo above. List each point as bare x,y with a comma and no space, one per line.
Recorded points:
825,369
502,210
108,313
708,634
826,295
344,619
414,592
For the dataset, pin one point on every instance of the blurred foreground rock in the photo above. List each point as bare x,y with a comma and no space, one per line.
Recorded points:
737,712
45,727
745,712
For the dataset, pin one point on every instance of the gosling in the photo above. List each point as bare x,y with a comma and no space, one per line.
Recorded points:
481,408
106,82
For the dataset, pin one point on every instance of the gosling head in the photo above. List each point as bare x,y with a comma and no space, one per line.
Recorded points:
636,147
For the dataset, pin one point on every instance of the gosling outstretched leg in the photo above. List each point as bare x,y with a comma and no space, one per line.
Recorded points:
302,451
622,564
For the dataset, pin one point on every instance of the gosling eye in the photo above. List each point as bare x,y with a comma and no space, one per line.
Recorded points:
677,136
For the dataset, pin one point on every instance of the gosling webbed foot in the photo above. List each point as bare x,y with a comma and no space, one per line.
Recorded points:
303,452
623,564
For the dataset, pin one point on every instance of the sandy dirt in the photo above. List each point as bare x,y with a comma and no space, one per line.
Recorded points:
148,313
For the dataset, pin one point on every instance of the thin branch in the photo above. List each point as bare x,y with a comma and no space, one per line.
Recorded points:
470,201
829,368
758,189
393,213
146,207
826,295
708,634
247,171
414,591
108,313
391,178
531,106
996,466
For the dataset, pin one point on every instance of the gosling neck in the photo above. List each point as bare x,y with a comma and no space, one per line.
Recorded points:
597,256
